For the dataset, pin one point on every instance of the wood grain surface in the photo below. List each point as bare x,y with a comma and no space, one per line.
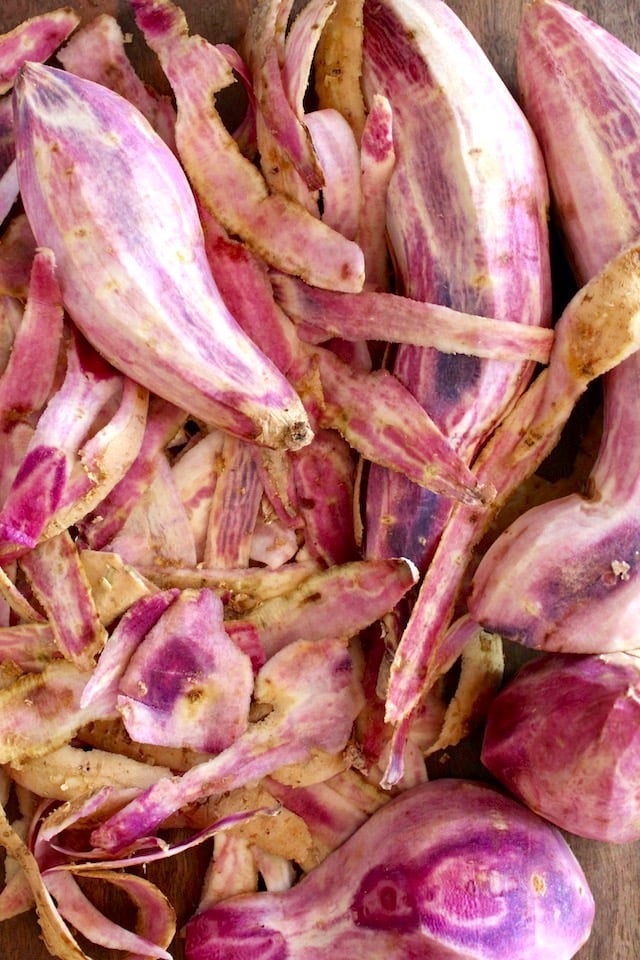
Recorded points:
613,872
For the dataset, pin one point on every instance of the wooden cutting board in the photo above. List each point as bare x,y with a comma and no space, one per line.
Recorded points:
613,872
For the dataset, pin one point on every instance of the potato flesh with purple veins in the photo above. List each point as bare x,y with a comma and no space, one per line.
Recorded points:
450,870
105,193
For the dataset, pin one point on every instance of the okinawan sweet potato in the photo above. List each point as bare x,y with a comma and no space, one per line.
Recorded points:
449,869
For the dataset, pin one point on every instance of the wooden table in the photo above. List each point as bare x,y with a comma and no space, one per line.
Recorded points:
613,872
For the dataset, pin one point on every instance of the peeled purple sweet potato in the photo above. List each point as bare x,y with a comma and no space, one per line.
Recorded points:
107,195
564,737
450,869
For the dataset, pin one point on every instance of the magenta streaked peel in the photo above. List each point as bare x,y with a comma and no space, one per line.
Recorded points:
273,543
466,211
332,809
195,475
41,711
264,42
28,377
247,639
44,469
581,89
234,507
35,39
245,133
104,460
66,466
30,645
233,870
377,160
72,614
579,592
157,529
243,280
131,262
277,480
16,897
297,56
586,346
14,601
314,695
137,621
98,526
377,315
350,597
240,590
324,477
400,437
75,907
282,232
336,394
339,158
187,684
97,52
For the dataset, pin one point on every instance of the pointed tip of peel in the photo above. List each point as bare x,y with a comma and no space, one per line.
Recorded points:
30,74
30,67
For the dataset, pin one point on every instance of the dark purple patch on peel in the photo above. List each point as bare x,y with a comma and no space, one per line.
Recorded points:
386,900
167,672
35,495
151,19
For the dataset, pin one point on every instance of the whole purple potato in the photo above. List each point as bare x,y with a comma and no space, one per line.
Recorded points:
564,737
448,869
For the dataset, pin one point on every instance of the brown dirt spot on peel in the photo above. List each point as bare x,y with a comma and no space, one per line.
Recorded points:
345,271
313,597
195,694
538,884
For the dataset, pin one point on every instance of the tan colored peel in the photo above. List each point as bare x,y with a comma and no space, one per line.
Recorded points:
55,933
338,64
482,670
115,585
69,773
